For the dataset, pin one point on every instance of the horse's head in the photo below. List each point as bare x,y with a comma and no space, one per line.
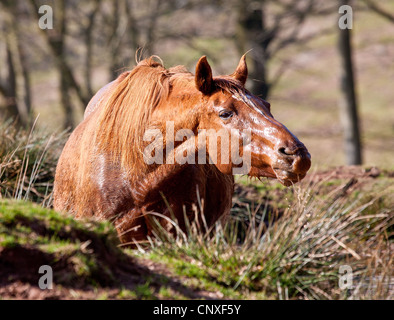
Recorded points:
226,105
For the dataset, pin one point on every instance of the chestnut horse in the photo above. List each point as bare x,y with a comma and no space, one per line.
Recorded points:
102,173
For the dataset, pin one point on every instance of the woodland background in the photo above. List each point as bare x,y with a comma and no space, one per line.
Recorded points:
295,62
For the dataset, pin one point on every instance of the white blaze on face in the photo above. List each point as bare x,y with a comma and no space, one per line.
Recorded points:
248,100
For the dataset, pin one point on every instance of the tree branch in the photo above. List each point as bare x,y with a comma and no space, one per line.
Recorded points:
379,10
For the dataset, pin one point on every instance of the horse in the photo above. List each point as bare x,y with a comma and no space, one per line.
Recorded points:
103,173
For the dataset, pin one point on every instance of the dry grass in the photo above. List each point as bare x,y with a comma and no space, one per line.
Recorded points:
298,256
28,162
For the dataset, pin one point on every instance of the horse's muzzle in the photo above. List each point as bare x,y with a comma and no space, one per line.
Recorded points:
291,164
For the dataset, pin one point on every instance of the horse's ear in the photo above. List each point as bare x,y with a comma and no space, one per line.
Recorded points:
241,73
203,77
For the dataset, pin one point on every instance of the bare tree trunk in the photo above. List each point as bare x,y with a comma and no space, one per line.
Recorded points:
26,81
20,11
151,30
55,39
252,32
16,87
89,47
115,41
268,32
348,105
65,82
20,76
379,10
132,28
66,102
8,90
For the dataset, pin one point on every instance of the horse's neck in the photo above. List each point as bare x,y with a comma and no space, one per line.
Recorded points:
154,181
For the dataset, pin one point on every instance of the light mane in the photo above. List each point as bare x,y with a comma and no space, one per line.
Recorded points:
125,115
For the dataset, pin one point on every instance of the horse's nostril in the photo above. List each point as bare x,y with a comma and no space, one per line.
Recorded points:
287,151
282,150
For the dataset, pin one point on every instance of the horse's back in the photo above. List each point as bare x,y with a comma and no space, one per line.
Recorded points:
98,98
81,174
68,173
102,95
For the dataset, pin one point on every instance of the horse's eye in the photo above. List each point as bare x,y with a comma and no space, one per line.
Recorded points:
225,114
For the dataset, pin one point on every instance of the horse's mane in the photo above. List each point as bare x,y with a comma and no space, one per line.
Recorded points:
125,115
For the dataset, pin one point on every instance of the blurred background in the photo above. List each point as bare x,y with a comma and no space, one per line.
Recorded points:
332,88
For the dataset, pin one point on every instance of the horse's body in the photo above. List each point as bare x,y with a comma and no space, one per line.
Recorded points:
101,172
